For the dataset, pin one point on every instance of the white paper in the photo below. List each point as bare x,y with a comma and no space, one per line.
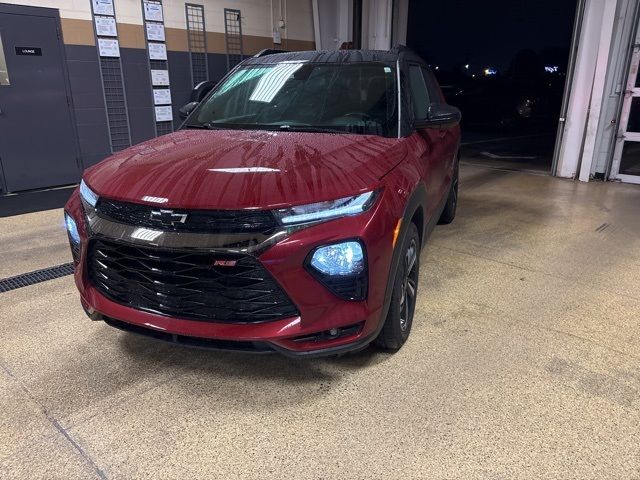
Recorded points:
106,27
162,96
159,78
108,47
153,11
164,114
157,51
155,31
103,7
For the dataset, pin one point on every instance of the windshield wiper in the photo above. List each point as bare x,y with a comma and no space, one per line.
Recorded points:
257,126
309,128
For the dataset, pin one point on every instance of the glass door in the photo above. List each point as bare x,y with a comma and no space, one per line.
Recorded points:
626,158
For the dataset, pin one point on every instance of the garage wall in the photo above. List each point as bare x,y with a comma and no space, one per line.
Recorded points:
259,20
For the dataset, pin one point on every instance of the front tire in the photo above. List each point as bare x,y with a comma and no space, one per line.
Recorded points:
397,325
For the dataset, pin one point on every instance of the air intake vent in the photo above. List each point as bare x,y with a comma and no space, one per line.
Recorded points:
185,284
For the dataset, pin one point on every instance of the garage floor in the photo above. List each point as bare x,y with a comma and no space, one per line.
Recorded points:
524,362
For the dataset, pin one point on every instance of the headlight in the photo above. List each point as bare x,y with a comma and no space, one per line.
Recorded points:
345,258
88,195
314,212
341,268
72,229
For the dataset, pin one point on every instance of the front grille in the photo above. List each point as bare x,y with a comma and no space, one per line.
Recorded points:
187,284
197,221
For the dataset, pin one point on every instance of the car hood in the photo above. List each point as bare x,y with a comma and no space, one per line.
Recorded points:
237,169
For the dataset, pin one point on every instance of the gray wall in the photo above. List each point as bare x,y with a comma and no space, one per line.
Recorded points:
88,103
88,99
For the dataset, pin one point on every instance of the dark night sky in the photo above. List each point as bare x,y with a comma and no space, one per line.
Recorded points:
487,32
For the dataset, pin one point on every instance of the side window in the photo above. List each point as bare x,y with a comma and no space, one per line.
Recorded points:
435,94
419,93
4,73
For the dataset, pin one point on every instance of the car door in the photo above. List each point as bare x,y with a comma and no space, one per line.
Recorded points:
448,135
430,148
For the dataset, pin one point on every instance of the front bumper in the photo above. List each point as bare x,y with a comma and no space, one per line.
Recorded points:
253,347
320,311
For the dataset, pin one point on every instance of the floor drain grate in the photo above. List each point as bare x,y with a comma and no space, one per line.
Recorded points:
38,276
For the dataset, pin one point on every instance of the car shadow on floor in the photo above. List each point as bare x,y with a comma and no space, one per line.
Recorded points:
239,364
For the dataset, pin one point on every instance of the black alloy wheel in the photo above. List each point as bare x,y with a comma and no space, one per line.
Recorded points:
399,319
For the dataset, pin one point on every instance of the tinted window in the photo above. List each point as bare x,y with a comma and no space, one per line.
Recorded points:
435,94
419,93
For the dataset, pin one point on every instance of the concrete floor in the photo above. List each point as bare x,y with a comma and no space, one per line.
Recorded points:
529,150
523,363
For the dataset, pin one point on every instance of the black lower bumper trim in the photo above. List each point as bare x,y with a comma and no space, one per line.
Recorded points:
196,342
229,345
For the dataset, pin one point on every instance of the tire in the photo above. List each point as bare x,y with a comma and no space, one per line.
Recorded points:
449,212
397,325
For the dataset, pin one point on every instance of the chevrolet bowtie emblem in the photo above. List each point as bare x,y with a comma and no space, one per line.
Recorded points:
168,217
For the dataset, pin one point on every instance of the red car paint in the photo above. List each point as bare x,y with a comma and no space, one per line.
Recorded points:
250,169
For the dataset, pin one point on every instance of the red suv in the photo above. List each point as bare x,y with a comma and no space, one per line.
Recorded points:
287,214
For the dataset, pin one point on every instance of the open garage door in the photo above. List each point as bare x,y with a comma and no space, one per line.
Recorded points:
37,138
505,75
626,157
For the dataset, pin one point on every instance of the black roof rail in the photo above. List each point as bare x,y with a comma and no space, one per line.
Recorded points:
269,51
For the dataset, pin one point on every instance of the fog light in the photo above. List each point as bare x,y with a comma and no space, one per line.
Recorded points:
345,258
72,229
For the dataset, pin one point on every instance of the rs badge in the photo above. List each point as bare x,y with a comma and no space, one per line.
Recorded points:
225,263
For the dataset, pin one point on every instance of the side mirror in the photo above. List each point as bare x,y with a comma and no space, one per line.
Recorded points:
440,115
186,110
201,90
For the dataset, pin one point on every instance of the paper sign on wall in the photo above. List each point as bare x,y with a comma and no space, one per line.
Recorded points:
155,31
106,27
157,51
161,96
153,11
108,47
160,78
103,7
164,114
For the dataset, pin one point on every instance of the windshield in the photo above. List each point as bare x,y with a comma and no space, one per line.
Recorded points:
354,98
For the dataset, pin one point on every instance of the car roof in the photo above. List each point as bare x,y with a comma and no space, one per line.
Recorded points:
333,56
